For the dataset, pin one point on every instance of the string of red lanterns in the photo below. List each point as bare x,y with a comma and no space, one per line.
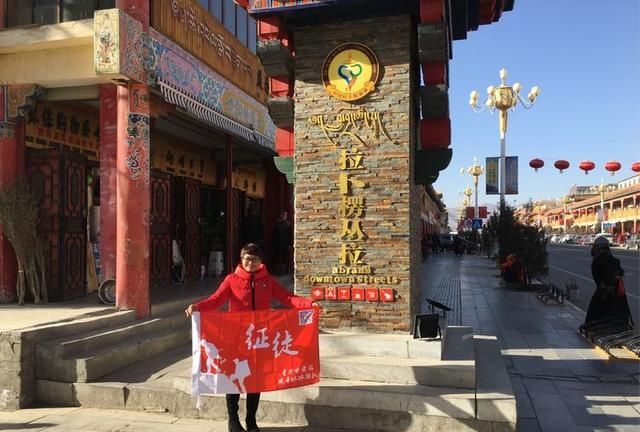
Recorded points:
612,166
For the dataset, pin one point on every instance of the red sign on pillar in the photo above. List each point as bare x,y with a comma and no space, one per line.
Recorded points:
330,293
372,294
386,295
344,293
317,293
357,294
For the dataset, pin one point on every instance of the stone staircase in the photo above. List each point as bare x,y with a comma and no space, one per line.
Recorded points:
87,352
369,382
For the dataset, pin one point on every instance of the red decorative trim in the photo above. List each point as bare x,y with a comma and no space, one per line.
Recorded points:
270,28
487,11
285,142
435,133
434,73
280,86
431,11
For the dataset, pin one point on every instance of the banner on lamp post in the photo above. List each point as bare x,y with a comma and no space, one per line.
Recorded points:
491,175
254,351
511,168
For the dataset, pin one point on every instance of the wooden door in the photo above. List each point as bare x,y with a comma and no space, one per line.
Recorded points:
160,231
59,178
186,222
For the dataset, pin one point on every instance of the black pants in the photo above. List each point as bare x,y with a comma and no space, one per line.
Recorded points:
253,399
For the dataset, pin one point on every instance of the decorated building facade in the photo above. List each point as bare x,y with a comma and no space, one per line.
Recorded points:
141,125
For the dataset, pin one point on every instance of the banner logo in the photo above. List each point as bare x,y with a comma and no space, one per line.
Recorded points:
350,72
254,351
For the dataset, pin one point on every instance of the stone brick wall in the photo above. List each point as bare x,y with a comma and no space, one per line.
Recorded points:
390,221
17,370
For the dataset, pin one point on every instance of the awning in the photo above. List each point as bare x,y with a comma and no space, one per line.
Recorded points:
209,115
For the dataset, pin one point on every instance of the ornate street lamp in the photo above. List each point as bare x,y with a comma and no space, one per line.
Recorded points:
602,189
475,171
503,98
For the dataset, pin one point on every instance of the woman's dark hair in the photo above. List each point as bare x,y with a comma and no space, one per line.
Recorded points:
251,249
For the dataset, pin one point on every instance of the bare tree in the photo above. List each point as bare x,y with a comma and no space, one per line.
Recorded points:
19,219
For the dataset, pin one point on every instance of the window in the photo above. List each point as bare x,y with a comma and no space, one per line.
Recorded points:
21,13
241,31
27,12
215,7
45,12
229,16
73,10
251,35
204,3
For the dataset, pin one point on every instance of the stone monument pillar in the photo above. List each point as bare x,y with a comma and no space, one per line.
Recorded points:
355,133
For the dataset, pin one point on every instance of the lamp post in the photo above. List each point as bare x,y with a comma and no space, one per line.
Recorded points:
502,98
601,189
475,171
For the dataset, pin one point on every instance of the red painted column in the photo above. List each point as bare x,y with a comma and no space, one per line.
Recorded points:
9,170
229,259
108,175
133,199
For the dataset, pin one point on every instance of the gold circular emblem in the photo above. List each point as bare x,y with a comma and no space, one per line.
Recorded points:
350,72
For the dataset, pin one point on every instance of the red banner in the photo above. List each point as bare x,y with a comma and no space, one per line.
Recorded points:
255,351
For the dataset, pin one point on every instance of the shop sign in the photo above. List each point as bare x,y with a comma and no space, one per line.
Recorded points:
350,72
249,179
345,132
199,33
184,161
54,125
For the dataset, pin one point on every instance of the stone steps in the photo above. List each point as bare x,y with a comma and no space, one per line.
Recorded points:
358,405
89,356
163,384
421,371
378,345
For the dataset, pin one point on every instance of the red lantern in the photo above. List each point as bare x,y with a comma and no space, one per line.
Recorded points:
561,165
635,167
587,166
536,163
612,166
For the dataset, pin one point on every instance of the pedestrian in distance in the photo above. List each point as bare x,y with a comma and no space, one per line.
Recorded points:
249,287
609,301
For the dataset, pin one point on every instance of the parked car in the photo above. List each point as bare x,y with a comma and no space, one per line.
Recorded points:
633,242
446,241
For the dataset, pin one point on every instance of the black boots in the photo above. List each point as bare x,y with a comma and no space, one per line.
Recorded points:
232,411
253,399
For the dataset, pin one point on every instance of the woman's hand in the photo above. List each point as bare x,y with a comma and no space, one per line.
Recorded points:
189,310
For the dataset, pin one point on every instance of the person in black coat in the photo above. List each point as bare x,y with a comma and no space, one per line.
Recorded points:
607,301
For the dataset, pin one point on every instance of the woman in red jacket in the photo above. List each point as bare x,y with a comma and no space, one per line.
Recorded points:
249,287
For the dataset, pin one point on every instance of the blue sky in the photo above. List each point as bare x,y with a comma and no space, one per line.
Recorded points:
585,56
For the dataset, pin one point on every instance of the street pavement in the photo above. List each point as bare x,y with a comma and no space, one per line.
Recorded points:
560,381
102,420
574,262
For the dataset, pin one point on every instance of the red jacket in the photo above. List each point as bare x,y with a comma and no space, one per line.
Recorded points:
236,288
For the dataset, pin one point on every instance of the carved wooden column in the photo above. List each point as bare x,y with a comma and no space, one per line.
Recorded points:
133,168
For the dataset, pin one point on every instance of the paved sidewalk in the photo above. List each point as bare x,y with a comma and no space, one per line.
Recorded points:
561,383
103,420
